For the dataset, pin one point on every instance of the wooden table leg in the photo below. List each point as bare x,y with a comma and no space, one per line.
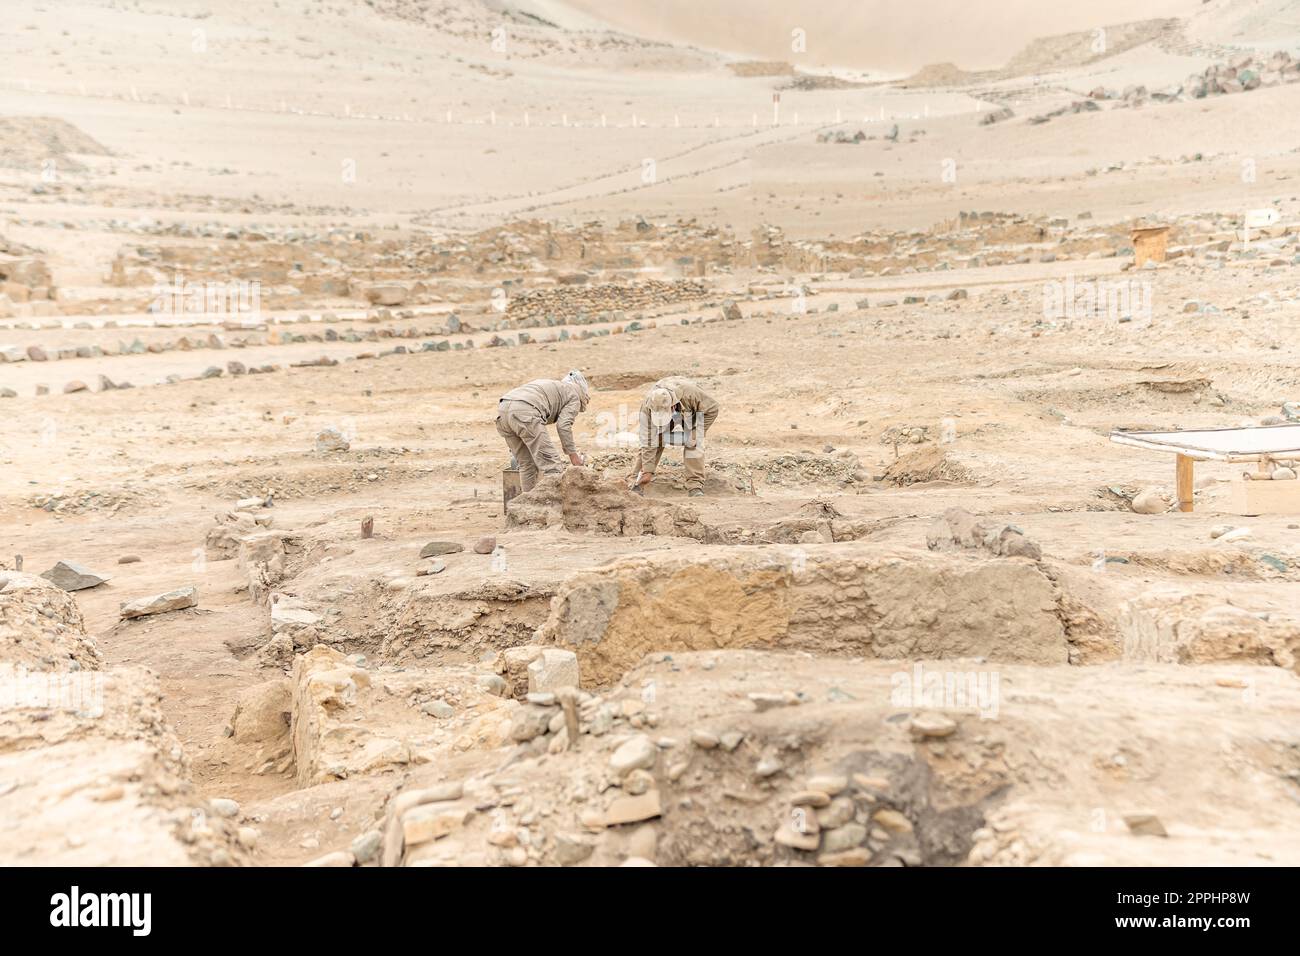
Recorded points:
1183,471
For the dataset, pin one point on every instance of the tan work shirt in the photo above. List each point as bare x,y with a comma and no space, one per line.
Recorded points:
557,402
697,407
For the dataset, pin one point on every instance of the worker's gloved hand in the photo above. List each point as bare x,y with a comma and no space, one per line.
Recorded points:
577,459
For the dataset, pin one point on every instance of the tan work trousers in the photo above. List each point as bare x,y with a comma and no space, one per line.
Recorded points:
527,437
647,459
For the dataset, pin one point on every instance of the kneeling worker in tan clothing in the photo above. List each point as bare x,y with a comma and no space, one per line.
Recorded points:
523,414
675,411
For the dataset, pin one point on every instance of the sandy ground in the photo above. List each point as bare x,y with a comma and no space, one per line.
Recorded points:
313,87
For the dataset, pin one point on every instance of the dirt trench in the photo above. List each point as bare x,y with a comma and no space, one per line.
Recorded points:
846,600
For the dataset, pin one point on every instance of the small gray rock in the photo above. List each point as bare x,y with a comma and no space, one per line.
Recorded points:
703,739
438,708
731,740
637,753
553,670
366,847
223,807
571,848
843,838
1149,502
329,439
532,722
434,548
493,684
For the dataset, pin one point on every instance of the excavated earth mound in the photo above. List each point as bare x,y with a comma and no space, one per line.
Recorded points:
90,774
580,500
94,777
926,464
847,599
1177,626
26,142
41,626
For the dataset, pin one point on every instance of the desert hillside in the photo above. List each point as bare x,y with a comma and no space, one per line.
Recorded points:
873,35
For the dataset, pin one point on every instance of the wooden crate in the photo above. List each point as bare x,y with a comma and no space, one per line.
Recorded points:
1264,497
510,487
1149,243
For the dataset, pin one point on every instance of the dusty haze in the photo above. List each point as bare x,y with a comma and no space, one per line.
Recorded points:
881,35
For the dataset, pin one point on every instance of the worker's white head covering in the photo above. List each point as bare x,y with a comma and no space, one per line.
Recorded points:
577,379
660,401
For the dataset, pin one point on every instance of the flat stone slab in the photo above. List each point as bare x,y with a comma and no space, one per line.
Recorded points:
291,613
176,600
73,577
434,548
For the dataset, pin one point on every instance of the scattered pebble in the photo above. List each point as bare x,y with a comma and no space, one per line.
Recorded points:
223,807
1144,824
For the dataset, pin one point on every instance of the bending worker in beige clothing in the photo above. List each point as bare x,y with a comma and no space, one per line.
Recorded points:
675,411
523,414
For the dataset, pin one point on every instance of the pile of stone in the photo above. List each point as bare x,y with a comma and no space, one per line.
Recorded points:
293,264
575,304
579,500
552,717
41,625
843,136
823,818
958,530
24,279
1079,106
1240,74
594,267
905,435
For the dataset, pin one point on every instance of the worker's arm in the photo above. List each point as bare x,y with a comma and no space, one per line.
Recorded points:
647,462
645,432
708,413
564,426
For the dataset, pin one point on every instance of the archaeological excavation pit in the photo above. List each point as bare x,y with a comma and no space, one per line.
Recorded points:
844,375
852,600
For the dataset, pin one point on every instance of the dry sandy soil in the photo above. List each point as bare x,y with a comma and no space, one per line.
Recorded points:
773,674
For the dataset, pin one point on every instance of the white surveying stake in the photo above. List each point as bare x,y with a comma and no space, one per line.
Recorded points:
1258,219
